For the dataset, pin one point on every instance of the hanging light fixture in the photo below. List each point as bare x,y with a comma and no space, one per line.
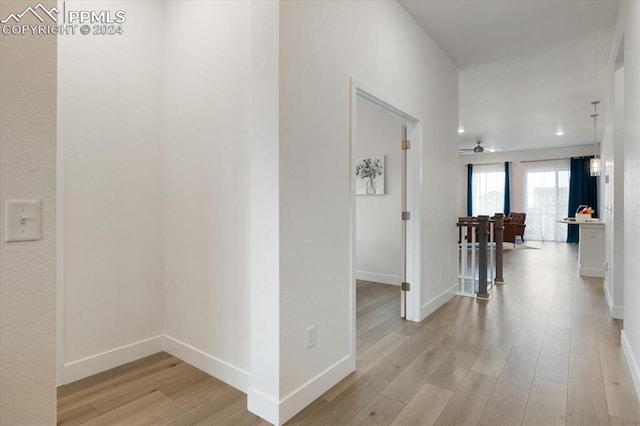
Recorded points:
595,165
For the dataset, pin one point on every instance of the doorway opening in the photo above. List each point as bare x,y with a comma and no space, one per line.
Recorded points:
385,158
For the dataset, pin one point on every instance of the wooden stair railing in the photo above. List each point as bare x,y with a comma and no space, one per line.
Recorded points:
489,250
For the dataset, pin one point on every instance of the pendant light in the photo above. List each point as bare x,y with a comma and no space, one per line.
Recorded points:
595,165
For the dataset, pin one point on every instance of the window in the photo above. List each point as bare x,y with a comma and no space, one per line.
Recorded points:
488,189
546,199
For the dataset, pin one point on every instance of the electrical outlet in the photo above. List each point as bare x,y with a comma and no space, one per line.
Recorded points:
311,336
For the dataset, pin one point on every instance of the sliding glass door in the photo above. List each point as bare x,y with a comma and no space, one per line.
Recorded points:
546,199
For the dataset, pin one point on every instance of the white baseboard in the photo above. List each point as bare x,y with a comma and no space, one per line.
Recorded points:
230,374
631,362
616,311
592,272
294,402
378,278
94,364
430,307
278,413
264,405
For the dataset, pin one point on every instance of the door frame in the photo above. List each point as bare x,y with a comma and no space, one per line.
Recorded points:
60,287
359,92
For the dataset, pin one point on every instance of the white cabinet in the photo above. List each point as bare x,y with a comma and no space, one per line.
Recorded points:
591,246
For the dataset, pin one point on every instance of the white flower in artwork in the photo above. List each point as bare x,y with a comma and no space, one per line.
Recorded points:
370,170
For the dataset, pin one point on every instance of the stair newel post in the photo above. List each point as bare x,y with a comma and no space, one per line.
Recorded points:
499,232
483,293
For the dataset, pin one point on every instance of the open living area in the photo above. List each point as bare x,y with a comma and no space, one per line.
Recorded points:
319,212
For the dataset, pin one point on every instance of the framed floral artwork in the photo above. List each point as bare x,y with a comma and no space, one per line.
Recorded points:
370,175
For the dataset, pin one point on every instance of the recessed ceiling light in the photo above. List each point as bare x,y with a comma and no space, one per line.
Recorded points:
559,133
460,130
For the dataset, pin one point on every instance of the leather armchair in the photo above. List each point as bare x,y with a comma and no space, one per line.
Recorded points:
517,223
509,234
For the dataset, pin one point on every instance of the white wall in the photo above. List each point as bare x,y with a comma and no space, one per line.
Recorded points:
516,172
110,130
628,27
156,189
323,45
27,269
612,185
378,225
206,184
265,212
158,166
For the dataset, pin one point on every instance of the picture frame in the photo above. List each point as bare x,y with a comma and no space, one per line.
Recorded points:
370,175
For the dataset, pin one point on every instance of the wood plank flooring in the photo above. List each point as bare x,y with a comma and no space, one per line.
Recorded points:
542,351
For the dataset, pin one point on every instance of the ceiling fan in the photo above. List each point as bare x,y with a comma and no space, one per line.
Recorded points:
478,149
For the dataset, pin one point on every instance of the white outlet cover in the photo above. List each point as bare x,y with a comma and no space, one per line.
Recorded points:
22,220
311,336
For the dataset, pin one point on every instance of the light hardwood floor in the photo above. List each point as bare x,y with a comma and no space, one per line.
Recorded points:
543,351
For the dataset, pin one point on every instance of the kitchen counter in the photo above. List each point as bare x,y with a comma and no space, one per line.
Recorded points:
590,247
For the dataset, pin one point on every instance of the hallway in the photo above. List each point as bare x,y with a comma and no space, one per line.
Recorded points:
542,351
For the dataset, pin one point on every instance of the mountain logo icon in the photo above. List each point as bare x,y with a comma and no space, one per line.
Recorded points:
39,11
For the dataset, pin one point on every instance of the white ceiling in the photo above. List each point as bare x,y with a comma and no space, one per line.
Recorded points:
527,68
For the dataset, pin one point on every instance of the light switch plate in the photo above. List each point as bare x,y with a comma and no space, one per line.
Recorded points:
22,220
